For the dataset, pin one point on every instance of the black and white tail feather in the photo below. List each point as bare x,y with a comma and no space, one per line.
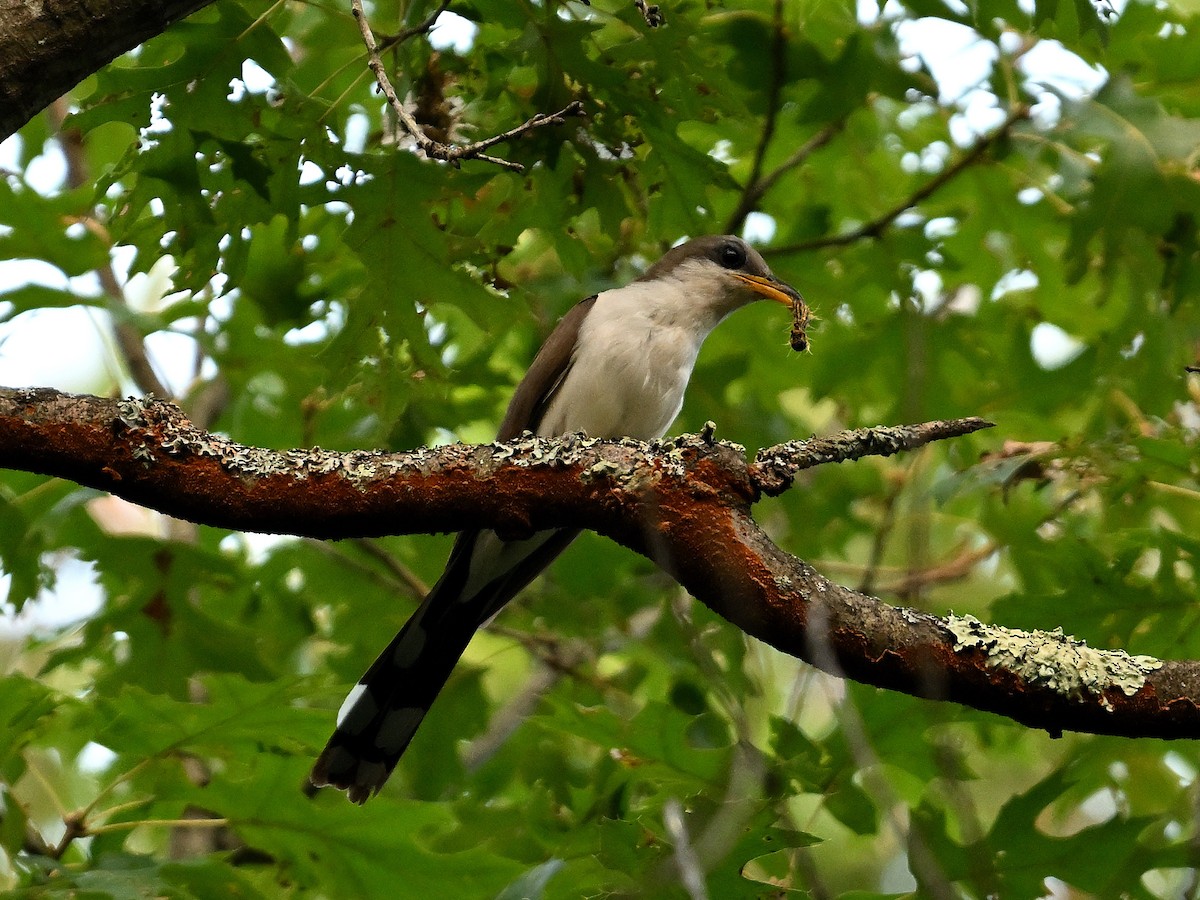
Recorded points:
382,712
617,365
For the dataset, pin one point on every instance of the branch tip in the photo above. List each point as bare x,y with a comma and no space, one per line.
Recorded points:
1018,112
775,468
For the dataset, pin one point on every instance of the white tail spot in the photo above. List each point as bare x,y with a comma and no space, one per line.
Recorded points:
358,704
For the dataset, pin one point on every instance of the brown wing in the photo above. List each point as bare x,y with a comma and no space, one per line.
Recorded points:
545,375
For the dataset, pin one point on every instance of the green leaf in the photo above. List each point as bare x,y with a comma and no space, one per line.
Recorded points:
532,884
234,717
331,840
337,288
24,704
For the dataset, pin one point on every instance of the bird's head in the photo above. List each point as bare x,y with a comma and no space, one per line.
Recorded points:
724,270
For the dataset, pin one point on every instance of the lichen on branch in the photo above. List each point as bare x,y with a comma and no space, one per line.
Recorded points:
683,502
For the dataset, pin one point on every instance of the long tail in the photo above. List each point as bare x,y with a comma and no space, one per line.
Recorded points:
383,711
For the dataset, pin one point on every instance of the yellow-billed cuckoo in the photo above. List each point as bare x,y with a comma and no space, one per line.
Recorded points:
616,366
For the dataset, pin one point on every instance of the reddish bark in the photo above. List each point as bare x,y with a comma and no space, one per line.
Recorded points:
47,48
684,503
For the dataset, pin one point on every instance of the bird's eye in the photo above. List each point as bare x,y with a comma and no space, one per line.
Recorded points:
733,256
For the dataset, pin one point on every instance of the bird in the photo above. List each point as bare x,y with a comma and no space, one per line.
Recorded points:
616,366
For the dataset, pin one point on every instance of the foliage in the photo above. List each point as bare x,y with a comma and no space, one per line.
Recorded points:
347,293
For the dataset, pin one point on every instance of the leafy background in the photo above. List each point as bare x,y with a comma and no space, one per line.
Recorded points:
332,288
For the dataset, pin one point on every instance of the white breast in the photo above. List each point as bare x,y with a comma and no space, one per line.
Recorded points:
632,362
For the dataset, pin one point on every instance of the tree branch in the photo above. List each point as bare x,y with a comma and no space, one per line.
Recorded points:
130,341
757,187
750,197
421,27
877,226
47,48
696,491
451,153
775,468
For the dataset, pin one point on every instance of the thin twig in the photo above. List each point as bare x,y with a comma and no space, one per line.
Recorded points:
262,18
560,655
574,108
420,28
952,570
122,778
119,808
51,792
502,725
774,91
1176,490
33,843
351,562
880,540
451,153
775,468
877,226
756,189
925,867
162,823
74,828
397,569
129,339
895,580
207,405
